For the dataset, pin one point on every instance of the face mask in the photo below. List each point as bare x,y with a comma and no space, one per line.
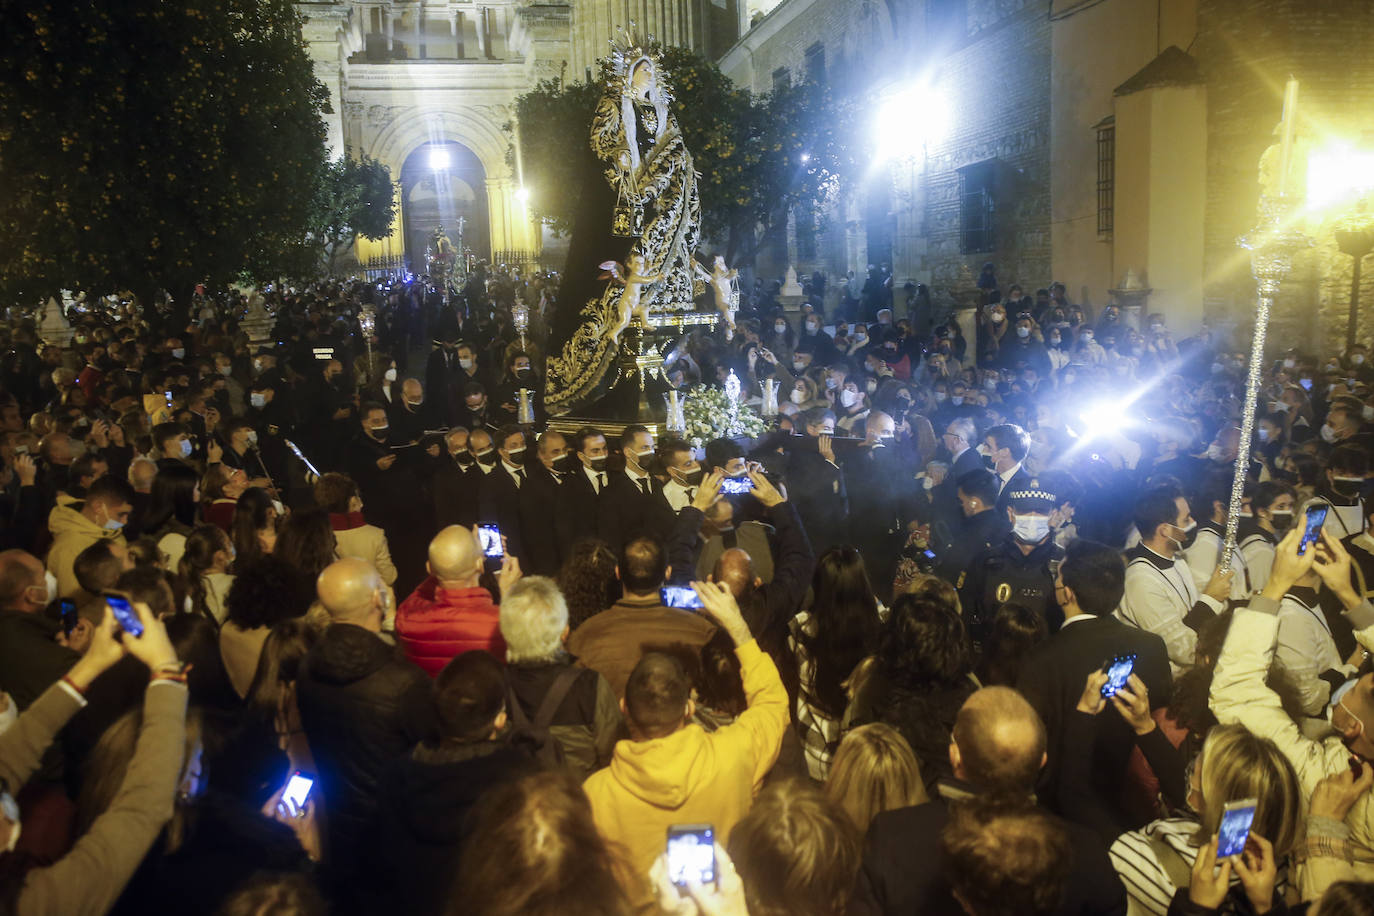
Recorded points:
186,448
178,353
1358,359
957,399
1023,333
257,365
524,373
780,328
112,524
1214,452
693,478
1328,434
1087,338
811,328
49,587
1337,699
226,370
999,317
1263,434
1030,529
1367,412
389,375
849,398
798,365
1289,363
563,463
251,437
516,456
1186,535
1054,341
464,457
486,458
257,400
1281,520
381,431
872,386
990,384
465,364
1347,486
832,383
797,396
278,508
940,397
860,339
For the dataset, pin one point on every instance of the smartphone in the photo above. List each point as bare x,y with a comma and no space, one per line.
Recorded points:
1118,672
124,614
733,486
169,398
1316,516
66,612
680,596
298,789
692,854
491,540
1236,818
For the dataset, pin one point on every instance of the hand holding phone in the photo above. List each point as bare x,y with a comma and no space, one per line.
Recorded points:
490,536
1118,671
680,596
124,614
691,854
297,792
1234,830
734,486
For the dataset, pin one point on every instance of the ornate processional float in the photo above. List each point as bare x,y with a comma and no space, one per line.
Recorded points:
629,334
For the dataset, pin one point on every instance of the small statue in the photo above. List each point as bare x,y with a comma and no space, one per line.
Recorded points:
629,276
723,289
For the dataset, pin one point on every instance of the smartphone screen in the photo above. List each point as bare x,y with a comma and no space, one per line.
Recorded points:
1234,830
692,854
298,789
1118,672
731,486
1316,516
124,614
66,611
680,596
491,540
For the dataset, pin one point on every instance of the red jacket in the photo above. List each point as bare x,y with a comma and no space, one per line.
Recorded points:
435,624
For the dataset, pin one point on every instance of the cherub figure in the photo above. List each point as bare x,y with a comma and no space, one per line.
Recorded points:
722,282
628,275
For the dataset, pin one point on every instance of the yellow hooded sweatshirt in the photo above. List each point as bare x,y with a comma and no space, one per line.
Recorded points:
72,533
689,777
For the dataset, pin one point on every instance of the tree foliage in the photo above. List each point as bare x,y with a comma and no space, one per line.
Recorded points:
154,145
758,155
356,197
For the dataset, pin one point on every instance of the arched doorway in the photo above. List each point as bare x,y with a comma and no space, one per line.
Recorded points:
440,184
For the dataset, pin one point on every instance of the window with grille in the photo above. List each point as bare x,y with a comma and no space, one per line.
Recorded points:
815,63
977,207
1106,177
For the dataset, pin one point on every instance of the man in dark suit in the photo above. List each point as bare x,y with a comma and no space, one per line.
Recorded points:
632,503
474,412
816,483
499,500
981,525
1008,446
442,380
575,511
874,477
960,439
537,502
1089,587
998,747
455,492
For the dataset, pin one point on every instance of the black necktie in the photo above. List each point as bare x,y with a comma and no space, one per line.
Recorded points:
519,476
691,495
600,482
644,485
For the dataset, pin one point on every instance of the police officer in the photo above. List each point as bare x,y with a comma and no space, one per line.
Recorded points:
1018,569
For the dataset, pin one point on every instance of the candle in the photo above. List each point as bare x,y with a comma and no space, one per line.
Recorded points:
1290,123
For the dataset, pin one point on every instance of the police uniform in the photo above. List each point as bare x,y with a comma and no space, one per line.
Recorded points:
1004,574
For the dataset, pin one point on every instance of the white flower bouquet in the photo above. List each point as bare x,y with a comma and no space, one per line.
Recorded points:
710,414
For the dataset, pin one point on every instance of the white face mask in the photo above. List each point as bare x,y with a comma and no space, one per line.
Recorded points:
465,363
257,400
1263,434
780,328
251,437
1328,433
849,398
1289,363
956,400
797,396
389,375
1023,333
1031,529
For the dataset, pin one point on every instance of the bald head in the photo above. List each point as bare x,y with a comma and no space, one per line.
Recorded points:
455,557
351,591
999,742
736,569
21,581
141,474
412,391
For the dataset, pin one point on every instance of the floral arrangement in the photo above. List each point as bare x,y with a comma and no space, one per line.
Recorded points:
711,414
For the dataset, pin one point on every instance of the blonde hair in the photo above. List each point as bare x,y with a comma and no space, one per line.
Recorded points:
873,771
1237,764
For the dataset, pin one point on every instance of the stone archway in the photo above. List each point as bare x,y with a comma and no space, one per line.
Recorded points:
441,183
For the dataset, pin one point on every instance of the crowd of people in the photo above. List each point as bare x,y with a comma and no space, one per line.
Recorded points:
321,622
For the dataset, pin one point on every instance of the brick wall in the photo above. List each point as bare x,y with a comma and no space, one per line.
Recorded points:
997,87
1247,49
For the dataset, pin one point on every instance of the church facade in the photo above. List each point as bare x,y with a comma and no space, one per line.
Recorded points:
428,87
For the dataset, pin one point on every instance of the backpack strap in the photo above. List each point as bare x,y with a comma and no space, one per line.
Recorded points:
558,691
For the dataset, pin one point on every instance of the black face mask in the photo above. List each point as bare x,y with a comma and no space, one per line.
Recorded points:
597,464
1347,488
1281,520
487,458
693,478
464,458
516,456
564,464
524,375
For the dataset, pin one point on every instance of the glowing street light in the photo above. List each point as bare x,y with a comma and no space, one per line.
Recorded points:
438,158
1339,174
909,121
523,195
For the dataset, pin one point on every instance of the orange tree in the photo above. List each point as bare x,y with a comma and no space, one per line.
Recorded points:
151,146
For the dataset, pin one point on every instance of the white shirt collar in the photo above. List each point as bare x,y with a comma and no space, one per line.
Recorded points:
1075,618
1009,473
593,476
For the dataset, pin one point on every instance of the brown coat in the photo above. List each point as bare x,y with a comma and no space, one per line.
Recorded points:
612,642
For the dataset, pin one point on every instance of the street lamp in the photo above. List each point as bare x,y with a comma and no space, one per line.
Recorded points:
1341,177
909,121
438,158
